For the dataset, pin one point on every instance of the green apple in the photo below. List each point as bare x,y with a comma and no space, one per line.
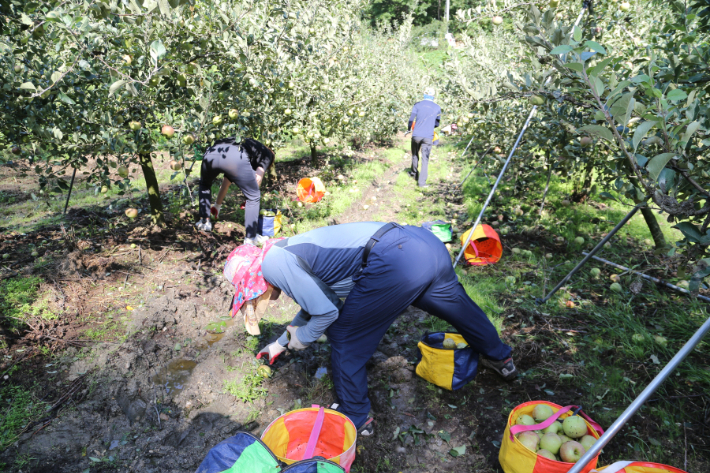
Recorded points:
616,287
541,413
551,443
572,451
217,120
525,420
5,256
167,131
104,189
661,340
544,453
587,441
536,100
595,272
127,59
131,213
574,427
579,240
188,139
563,437
554,3
233,114
449,344
291,85
134,125
35,253
175,165
586,141
497,20
264,371
553,428
122,171
625,6
287,112
295,130
529,440
510,280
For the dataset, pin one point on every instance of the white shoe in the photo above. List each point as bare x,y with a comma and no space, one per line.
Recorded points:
204,224
256,241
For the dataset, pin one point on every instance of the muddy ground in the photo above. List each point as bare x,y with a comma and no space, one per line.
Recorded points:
135,377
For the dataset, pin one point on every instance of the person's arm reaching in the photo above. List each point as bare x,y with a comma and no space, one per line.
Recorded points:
220,197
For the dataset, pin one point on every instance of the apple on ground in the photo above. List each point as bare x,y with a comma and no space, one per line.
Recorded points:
167,131
529,440
131,213
551,443
572,451
574,427
544,453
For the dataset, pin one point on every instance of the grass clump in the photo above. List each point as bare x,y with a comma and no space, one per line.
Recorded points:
248,389
19,301
17,408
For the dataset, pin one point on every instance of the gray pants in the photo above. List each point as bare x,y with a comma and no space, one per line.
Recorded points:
234,163
422,145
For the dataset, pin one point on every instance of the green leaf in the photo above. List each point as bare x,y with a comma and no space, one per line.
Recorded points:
577,35
690,231
445,436
458,451
28,86
94,459
575,66
641,132
561,49
157,50
596,47
178,347
164,7
56,76
597,130
622,108
692,128
115,86
676,95
58,133
656,165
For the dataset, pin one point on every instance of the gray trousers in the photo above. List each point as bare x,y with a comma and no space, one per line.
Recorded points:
422,145
230,160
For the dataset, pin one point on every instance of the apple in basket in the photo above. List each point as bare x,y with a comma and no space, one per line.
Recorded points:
529,440
544,453
574,427
553,428
587,442
572,451
525,420
551,443
542,412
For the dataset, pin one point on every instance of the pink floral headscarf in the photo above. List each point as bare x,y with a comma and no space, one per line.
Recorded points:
243,270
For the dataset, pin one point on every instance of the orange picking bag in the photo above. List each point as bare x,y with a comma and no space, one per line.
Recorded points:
638,467
310,189
516,458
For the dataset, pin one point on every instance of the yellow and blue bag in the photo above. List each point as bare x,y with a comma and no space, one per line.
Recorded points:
269,222
447,368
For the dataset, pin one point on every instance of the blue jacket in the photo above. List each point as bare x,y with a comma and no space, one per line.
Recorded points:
315,269
427,115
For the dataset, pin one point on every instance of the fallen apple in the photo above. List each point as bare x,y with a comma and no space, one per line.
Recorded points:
264,371
579,240
572,451
529,440
595,272
131,213
565,203
510,280
574,427
545,453
35,253
616,287
638,338
167,131
16,150
660,340
551,442
5,256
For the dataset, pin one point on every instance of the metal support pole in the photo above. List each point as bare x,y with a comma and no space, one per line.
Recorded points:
510,156
71,186
599,246
641,399
651,278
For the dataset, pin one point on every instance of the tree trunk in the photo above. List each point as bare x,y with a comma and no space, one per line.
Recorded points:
653,226
151,182
314,154
582,186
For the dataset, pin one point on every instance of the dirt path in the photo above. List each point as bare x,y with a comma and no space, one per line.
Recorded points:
157,399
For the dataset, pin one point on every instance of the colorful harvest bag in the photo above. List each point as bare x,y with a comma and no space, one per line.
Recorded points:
245,453
297,435
484,248
270,222
447,368
638,467
516,458
310,189
441,229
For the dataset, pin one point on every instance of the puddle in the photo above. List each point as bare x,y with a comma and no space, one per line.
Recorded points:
173,376
215,330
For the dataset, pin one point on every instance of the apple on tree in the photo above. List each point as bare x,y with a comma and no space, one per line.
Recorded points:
233,114
167,131
134,125
497,20
188,139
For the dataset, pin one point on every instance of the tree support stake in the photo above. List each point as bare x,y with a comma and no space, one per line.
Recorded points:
591,254
71,186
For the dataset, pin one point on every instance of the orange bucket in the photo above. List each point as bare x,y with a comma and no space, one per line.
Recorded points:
310,189
638,467
484,248
314,431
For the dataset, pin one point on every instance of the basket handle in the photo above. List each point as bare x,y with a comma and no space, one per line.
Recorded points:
616,467
315,433
516,429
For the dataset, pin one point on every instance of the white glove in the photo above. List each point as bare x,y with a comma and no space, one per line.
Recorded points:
215,210
204,225
294,343
272,351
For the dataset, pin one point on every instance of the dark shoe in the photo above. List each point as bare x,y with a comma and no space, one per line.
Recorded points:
413,174
367,429
505,368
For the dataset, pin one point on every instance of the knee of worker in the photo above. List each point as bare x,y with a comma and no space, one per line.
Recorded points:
253,197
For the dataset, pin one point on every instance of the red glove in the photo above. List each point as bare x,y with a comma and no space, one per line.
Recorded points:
215,210
272,351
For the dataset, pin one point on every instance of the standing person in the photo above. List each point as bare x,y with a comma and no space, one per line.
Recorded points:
381,269
425,117
243,164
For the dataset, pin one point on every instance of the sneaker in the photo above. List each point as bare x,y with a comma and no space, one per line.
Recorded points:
367,429
204,225
505,368
256,241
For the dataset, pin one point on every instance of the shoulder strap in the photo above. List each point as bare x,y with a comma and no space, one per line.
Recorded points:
516,429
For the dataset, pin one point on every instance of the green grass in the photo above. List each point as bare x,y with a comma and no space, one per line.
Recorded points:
17,408
248,388
19,300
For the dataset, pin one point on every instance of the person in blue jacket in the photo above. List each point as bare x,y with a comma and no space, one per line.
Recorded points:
425,117
380,269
